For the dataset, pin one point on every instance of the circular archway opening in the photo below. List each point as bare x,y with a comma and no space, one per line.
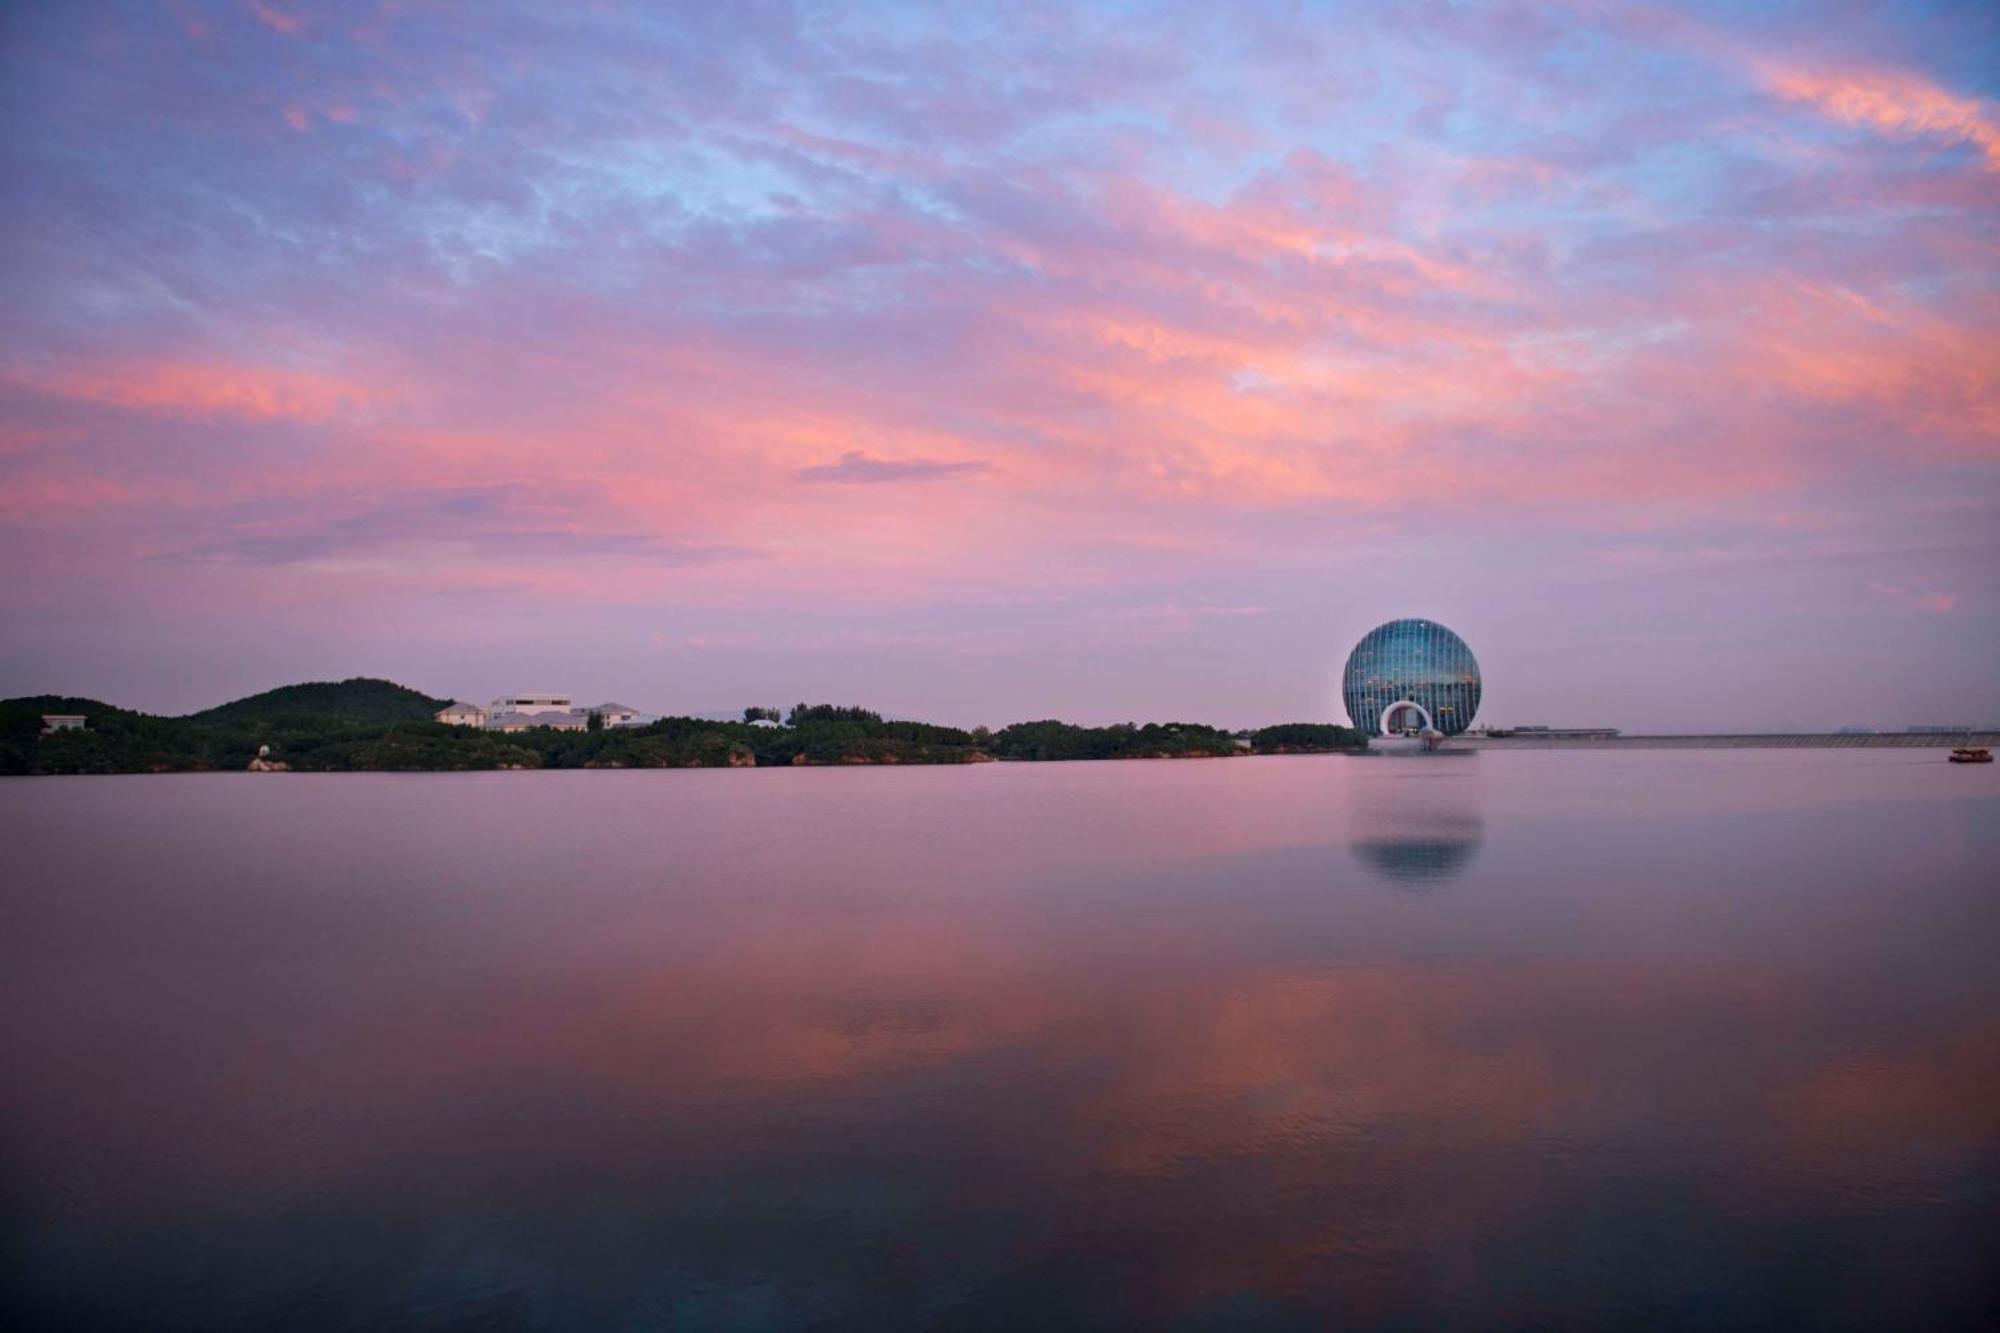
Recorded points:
1406,717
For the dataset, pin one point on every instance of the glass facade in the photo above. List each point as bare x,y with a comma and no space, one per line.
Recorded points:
1415,660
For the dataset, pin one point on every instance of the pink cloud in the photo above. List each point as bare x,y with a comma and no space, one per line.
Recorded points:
732,325
276,19
207,390
860,467
1939,603
1893,102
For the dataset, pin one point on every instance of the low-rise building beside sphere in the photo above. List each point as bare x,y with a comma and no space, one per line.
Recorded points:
1410,677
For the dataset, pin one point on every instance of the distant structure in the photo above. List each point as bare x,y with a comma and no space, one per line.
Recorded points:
1410,678
1556,733
532,703
54,722
557,719
520,712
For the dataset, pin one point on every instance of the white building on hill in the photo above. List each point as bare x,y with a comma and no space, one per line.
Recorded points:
532,703
559,719
518,712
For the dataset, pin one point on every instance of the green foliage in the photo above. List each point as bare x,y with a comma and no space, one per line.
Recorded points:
829,736
1307,738
411,747
804,713
370,725
1050,739
115,740
22,718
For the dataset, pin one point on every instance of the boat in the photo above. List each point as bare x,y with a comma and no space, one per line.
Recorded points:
1972,754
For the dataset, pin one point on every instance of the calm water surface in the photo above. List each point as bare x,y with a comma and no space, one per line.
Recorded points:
1551,1039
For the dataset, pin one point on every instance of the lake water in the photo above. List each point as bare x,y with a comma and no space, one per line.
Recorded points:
1500,1040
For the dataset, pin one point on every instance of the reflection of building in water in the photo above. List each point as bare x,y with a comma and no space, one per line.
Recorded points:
1416,861
1417,826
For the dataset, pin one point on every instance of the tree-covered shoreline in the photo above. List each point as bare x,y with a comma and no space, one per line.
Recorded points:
364,725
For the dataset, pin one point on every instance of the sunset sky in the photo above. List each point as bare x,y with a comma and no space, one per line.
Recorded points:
986,363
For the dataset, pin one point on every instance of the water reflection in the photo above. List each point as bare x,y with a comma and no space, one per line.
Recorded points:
1420,825
1027,1046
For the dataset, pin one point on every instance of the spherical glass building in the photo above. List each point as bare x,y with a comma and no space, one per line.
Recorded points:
1408,675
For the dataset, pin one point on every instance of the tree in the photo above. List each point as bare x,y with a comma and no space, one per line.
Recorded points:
804,713
595,722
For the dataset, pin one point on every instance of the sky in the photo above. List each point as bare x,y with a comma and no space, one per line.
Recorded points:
983,363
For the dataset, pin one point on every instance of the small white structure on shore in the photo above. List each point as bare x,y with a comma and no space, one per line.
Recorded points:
615,715
462,715
54,722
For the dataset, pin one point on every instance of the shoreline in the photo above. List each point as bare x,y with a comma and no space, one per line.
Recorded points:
366,725
1774,740
265,767
1458,745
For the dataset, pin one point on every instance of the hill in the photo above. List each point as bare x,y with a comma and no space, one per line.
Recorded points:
295,721
360,701
25,713
118,741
